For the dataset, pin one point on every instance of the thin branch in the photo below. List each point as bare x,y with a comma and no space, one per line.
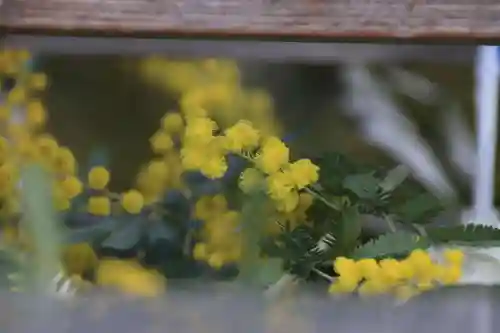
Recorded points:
323,275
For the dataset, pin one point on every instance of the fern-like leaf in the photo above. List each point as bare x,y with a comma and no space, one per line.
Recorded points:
390,245
469,235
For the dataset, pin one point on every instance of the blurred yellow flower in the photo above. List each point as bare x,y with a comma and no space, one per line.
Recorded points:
132,202
64,162
47,146
172,123
36,115
78,259
161,142
99,205
251,179
71,186
130,277
17,95
199,130
98,178
37,81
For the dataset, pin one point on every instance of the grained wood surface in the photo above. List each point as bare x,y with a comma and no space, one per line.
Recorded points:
300,18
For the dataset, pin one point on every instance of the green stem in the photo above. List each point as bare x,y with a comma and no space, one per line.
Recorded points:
40,221
323,275
253,224
322,199
390,223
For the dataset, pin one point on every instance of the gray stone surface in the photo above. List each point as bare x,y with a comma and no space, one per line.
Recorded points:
454,310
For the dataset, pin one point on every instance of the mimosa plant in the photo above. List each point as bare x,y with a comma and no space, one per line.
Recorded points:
223,191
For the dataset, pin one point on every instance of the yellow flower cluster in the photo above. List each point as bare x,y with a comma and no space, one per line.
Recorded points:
222,241
293,218
164,171
418,272
212,87
23,116
208,127
206,152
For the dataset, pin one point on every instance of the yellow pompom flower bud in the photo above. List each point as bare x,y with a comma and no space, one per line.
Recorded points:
287,203
199,130
158,171
242,136
192,158
27,150
250,180
273,155
17,95
37,81
344,284
47,146
219,203
99,205
368,267
161,142
373,287
79,258
420,259
216,260
98,178
303,173
200,251
347,268
71,187
132,202
36,115
172,123
214,167
61,202
64,162
454,256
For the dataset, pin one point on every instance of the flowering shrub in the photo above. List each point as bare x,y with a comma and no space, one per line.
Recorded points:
223,192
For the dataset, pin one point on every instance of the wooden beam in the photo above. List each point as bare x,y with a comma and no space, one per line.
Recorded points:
329,19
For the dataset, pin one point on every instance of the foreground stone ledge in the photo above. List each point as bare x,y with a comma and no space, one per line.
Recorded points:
335,19
455,310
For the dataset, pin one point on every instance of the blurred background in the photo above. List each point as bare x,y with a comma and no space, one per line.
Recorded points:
106,103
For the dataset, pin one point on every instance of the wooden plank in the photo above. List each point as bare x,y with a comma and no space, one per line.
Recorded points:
331,19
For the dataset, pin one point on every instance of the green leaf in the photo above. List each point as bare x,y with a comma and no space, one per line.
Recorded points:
126,235
391,245
467,235
420,209
348,229
159,230
89,234
333,168
394,178
270,270
365,186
